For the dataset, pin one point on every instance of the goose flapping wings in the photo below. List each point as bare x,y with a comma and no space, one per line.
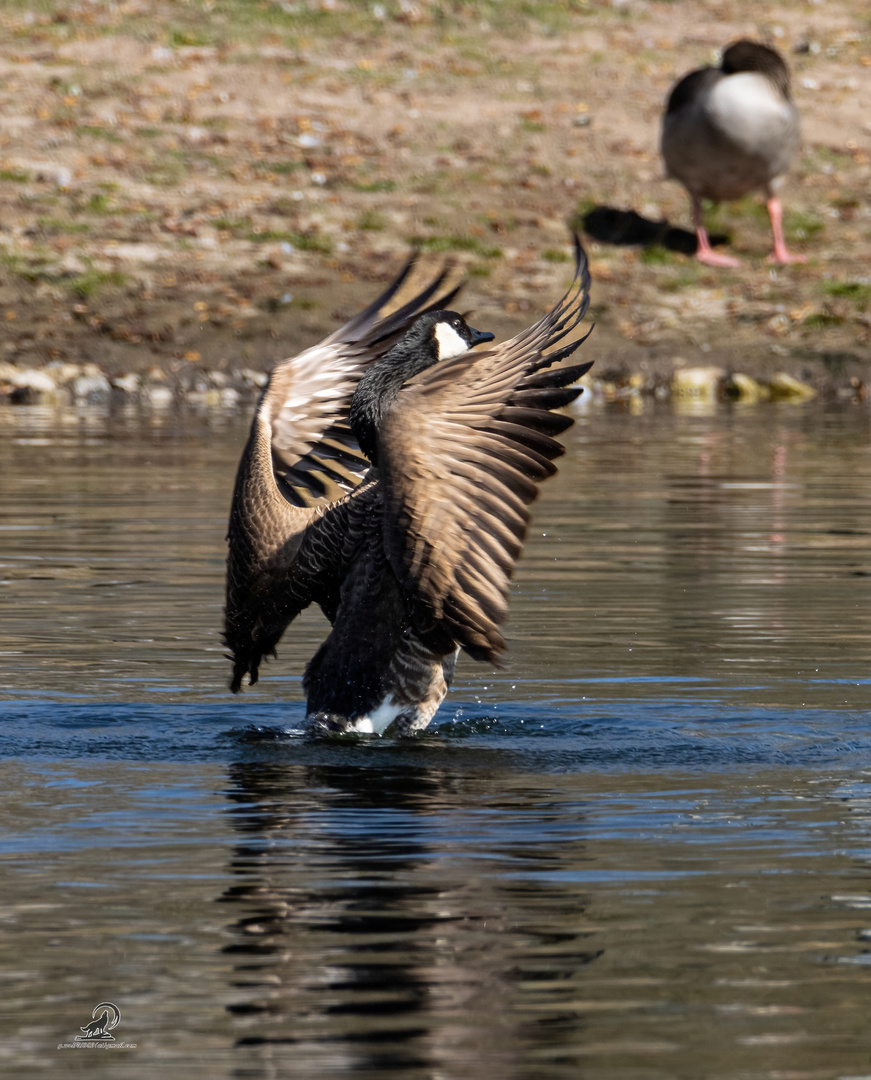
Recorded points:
460,455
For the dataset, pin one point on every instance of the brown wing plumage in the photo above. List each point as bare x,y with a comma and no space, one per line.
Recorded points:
461,456
285,545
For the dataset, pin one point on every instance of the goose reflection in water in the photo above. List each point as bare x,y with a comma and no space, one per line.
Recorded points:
366,938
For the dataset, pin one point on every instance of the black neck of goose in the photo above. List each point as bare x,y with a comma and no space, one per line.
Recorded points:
376,393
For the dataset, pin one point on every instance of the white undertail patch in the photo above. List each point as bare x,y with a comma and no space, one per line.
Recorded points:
378,720
450,343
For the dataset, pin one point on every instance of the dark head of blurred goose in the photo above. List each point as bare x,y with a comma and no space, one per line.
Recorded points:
730,130
387,479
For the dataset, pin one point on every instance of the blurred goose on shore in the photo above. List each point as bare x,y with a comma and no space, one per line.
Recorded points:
730,130
387,478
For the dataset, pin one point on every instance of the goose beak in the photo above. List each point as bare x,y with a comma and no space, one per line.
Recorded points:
476,337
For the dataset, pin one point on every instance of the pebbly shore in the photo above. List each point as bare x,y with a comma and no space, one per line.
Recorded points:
63,384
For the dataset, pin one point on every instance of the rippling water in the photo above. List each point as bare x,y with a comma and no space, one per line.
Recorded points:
641,850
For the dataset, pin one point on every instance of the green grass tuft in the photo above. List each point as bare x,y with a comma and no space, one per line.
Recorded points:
821,319
61,225
657,256
371,220
801,225
374,186
98,133
93,281
456,243
858,292
301,241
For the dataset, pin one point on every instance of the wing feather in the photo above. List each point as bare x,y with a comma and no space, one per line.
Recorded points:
461,455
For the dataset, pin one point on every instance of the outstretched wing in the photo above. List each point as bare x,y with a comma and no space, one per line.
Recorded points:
314,454
285,544
461,455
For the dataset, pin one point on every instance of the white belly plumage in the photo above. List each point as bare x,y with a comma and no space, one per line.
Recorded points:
379,719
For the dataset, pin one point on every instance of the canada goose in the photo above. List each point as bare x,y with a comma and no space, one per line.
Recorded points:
440,450
730,130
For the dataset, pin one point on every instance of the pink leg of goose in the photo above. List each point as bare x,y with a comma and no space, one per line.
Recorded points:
780,253
704,252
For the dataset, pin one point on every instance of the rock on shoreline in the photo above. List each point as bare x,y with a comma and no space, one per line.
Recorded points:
85,384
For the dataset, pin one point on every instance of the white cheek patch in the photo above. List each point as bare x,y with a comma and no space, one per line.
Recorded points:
449,341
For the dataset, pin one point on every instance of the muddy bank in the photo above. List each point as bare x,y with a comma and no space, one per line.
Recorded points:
189,193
